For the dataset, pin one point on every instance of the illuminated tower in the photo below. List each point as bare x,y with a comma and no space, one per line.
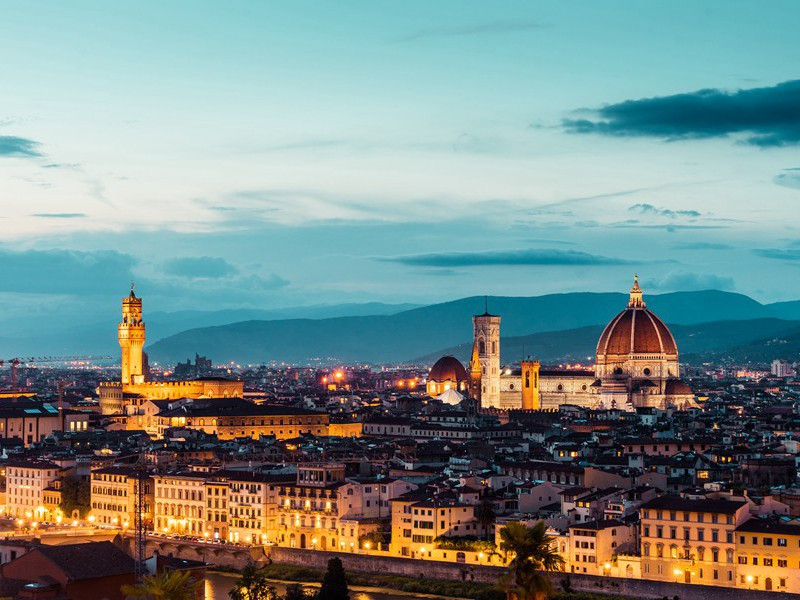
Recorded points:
475,374
131,339
530,384
487,341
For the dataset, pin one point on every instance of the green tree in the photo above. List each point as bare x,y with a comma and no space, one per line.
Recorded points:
166,585
533,552
253,585
486,515
334,584
75,494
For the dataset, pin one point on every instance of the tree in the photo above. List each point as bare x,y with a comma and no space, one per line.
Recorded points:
75,494
533,551
295,591
253,585
334,584
485,514
166,585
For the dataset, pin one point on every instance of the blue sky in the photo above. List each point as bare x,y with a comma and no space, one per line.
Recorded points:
270,154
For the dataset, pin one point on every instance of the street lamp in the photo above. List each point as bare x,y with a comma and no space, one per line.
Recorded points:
676,572
607,567
750,580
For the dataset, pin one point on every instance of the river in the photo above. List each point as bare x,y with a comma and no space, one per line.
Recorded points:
219,584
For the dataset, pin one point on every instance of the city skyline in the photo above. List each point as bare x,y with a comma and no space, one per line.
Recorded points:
268,156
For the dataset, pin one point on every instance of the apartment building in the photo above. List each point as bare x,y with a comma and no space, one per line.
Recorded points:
180,504
113,496
691,540
26,485
768,554
593,545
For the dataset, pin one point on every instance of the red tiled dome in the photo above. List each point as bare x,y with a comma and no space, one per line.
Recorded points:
636,330
448,368
676,387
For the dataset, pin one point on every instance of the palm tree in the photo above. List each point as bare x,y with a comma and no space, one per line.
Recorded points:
166,585
533,552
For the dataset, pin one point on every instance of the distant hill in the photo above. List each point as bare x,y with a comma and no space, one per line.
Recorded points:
417,332
97,334
697,342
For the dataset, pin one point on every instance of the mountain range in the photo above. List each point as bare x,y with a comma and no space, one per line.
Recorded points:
550,327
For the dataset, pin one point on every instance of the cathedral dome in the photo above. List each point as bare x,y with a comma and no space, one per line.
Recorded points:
448,368
636,330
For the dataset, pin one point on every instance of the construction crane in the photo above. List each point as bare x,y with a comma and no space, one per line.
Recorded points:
14,363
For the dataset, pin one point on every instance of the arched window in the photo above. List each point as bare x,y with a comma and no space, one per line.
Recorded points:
481,346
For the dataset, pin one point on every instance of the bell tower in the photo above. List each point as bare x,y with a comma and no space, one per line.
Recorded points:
130,333
530,384
487,343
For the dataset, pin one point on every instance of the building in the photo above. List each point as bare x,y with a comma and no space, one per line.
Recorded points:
114,496
691,540
486,359
180,505
230,418
637,361
31,420
89,571
27,482
636,365
781,368
594,544
447,374
134,388
768,555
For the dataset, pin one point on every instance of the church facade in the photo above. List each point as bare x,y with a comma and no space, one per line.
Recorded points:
636,365
117,398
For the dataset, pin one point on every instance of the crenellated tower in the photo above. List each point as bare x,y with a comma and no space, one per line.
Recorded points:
131,335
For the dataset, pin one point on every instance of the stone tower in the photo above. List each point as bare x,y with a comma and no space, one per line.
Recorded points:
530,385
130,333
487,342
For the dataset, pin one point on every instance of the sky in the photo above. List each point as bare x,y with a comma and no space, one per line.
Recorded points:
273,154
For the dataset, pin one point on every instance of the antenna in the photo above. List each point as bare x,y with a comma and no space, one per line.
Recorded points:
486,304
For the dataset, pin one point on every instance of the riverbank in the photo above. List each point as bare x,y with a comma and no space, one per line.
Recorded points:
380,584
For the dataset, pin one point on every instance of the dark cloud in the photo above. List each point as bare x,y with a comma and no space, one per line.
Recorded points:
503,257
649,209
200,267
60,215
789,178
687,282
469,30
11,145
64,271
767,116
790,254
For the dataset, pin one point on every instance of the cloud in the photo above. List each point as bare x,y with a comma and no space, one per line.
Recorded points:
703,246
767,116
789,178
790,254
59,215
11,145
685,282
649,209
469,30
503,257
64,271
200,267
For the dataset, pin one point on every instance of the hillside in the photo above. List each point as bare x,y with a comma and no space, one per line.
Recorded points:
417,332
697,342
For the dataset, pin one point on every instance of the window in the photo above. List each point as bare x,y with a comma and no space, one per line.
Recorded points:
781,541
767,562
768,541
782,562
